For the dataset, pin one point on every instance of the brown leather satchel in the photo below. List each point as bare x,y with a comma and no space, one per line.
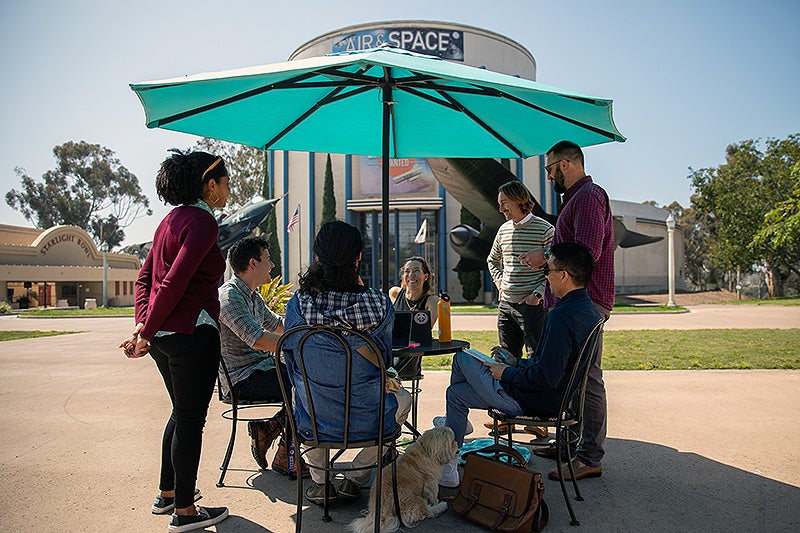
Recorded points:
499,495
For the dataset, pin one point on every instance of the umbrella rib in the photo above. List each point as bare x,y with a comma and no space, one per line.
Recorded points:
565,118
354,76
486,91
479,122
424,96
226,101
330,97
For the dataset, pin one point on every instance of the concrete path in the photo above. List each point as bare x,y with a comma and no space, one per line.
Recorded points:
80,429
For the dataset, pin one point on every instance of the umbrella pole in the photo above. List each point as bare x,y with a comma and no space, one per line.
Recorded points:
387,99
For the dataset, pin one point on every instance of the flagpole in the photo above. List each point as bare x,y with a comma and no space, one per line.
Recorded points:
299,239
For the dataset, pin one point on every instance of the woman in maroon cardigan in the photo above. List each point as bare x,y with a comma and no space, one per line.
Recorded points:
177,312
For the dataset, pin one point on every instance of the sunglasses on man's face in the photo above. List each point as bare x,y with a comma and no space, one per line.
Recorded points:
546,270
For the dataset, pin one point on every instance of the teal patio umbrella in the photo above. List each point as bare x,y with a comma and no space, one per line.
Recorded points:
383,102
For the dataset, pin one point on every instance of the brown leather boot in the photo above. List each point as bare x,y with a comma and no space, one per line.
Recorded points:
280,462
262,435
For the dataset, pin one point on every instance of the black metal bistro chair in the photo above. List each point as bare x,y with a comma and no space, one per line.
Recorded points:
569,419
233,414
339,343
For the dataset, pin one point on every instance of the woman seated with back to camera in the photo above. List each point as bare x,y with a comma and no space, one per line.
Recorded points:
332,293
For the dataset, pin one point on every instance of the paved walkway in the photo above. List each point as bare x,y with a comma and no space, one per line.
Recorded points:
80,430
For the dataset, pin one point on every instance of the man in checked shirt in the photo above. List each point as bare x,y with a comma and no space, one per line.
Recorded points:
249,331
585,217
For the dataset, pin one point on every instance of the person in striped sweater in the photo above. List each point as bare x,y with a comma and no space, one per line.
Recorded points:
520,313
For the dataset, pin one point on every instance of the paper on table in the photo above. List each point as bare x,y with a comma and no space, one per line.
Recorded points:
480,356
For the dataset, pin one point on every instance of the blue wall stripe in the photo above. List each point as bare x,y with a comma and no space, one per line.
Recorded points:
349,216
312,202
285,216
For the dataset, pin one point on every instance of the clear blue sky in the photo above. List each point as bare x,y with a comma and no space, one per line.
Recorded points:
687,77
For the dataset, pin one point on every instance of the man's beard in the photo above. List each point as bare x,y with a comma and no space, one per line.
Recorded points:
558,182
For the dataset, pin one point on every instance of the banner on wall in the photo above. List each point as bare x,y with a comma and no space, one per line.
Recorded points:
444,43
406,176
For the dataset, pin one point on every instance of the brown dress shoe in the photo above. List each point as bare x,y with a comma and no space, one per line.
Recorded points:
280,463
581,471
502,427
262,435
539,431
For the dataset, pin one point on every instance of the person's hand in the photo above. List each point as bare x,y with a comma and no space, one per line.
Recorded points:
532,299
129,345
496,370
142,348
501,355
534,259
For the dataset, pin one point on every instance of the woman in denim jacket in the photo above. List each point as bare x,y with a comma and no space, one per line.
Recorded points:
332,293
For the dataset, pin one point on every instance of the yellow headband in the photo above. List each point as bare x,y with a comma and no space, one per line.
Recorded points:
215,163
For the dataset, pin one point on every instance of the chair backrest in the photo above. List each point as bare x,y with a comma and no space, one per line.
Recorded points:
231,397
329,386
575,391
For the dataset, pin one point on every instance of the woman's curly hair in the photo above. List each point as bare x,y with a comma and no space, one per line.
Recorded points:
337,248
180,179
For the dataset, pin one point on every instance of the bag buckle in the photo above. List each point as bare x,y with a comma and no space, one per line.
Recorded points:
476,493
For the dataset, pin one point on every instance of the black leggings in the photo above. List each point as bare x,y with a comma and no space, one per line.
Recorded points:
188,364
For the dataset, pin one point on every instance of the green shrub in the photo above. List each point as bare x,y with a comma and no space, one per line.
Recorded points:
276,295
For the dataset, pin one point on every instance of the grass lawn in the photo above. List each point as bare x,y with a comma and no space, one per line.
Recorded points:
490,309
784,300
13,335
674,349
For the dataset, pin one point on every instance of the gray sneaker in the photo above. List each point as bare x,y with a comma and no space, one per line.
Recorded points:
163,505
315,493
348,489
206,516
439,421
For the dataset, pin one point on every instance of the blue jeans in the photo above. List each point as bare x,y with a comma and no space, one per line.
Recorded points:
593,435
519,326
188,365
473,387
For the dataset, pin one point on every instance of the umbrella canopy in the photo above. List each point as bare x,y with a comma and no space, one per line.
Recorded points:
384,102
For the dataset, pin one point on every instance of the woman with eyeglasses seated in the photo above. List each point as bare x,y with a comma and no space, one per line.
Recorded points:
414,292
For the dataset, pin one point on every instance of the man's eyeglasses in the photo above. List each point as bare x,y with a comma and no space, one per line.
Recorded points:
546,270
551,165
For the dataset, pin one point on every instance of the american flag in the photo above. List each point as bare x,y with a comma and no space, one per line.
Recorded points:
294,220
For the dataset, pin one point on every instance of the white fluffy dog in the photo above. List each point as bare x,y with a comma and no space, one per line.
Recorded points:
418,472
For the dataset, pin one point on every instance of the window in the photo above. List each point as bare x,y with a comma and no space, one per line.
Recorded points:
116,288
401,242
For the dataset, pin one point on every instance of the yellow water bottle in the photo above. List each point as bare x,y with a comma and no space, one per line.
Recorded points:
443,310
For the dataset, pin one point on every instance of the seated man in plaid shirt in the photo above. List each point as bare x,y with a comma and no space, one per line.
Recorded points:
249,331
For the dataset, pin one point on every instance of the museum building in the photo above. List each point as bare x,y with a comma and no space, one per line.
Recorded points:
62,267
416,196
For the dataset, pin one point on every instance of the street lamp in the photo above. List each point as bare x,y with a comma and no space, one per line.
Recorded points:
671,259
104,249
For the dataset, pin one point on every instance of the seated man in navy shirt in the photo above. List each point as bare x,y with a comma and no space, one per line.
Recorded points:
532,386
